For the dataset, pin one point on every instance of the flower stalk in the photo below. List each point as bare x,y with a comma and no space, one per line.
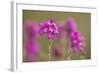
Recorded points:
49,48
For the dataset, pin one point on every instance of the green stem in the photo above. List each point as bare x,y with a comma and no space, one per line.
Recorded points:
50,46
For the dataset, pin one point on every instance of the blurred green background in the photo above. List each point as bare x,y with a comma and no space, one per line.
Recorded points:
83,21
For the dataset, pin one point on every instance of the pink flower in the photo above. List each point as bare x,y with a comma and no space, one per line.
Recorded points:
77,41
32,46
71,25
31,29
57,52
50,28
76,37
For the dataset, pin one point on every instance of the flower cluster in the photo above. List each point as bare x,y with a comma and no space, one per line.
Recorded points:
77,41
50,28
32,45
76,37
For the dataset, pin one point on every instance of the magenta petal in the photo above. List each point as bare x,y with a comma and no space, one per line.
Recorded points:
32,47
31,29
71,24
74,42
50,28
77,41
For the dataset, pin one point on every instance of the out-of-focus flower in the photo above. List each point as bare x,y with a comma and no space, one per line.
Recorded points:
61,32
77,41
32,50
71,25
50,28
32,45
57,52
31,29
76,37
